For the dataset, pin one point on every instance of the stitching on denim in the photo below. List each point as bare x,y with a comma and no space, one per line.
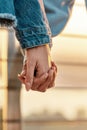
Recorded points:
8,17
33,42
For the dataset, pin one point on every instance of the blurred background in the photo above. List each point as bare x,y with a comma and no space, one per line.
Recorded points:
61,108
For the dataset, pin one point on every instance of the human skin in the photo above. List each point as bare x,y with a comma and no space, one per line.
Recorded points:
44,82
39,71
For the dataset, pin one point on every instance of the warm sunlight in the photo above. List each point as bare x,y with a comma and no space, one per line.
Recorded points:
65,104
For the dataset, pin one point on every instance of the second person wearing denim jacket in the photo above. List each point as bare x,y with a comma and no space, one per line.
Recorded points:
28,19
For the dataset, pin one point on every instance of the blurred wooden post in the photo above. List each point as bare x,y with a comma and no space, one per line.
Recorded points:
3,49
11,108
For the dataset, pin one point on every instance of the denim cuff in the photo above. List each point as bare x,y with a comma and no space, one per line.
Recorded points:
32,36
7,13
7,20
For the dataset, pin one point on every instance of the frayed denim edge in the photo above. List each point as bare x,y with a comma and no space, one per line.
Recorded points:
8,17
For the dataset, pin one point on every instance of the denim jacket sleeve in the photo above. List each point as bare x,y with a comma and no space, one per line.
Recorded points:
29,22
31,29
58,12
27,18
7,13
86,3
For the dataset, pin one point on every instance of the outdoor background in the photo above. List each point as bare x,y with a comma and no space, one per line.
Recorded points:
65,106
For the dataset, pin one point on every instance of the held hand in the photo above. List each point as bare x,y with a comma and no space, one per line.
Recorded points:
38,62
42,83
45,83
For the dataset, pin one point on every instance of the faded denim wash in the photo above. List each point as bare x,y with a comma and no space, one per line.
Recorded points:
58,13
28,21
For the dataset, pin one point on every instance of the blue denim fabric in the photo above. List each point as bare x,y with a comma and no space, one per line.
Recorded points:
7,12
58,13
29,21
31,29
86,3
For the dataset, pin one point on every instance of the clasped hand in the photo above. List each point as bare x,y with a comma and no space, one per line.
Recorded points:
38,72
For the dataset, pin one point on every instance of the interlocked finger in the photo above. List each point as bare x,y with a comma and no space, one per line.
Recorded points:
43,87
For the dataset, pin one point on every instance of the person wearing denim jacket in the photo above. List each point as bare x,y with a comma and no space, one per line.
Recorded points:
31,26
29,23
32,30
58,13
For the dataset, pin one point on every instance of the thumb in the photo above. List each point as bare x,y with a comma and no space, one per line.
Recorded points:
29,75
